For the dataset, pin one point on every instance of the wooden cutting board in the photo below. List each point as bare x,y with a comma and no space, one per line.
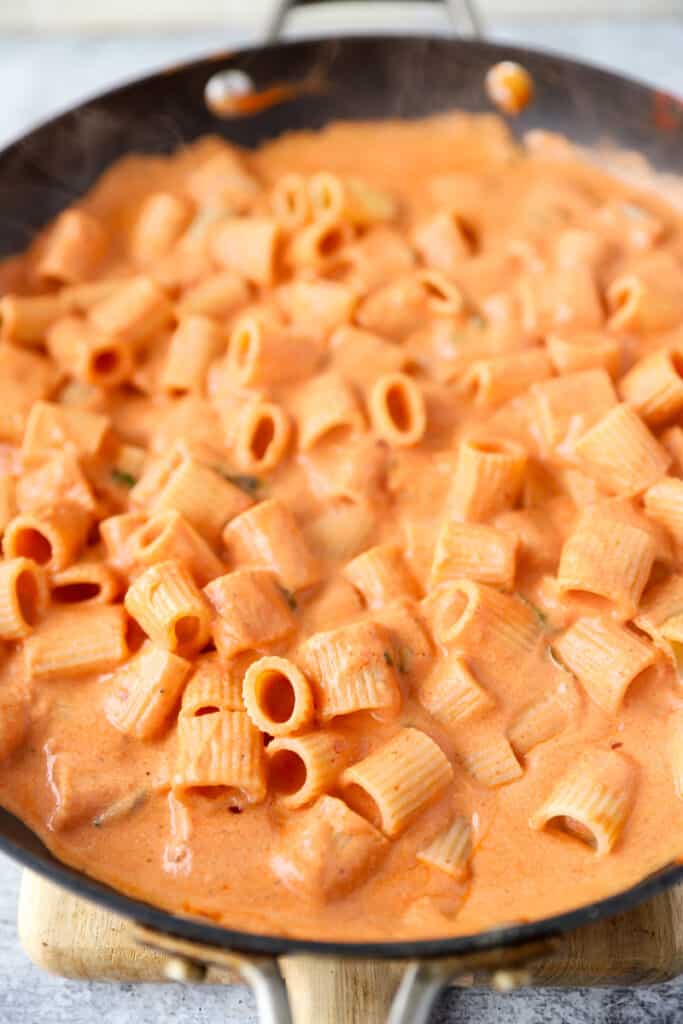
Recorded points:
68,936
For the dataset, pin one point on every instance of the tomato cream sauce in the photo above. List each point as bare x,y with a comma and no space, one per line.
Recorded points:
104,801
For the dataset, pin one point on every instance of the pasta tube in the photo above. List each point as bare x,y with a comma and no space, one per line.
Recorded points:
381,575
24,597
145,692
621,453
168,606
251,612
397,409
397,781
351,669
592,801
268,536
301,768
451,849
277,697
222,752
605,657
488,478
77,642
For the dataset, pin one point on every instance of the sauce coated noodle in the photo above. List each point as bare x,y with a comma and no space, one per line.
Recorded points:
396,444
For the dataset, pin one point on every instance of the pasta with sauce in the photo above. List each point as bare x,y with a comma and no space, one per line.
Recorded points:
341,505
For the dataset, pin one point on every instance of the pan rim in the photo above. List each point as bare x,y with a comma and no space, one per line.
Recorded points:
228,55
205,932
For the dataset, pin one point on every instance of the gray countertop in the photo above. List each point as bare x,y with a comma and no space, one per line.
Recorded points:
41,75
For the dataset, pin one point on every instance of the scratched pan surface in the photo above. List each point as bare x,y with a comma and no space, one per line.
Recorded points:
367,77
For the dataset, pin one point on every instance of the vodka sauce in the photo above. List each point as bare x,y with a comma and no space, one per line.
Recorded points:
341,593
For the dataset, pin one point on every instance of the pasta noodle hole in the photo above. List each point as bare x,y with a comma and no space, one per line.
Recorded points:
591,603
75,593
135,636
106,362
490,447
275,694
262,437
575,829
399,408
468,231
208,710
287,772
241,348
27,596
360,801
677,362
186,629
329,241
31,543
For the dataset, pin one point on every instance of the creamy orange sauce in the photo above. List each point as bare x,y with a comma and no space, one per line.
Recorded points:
104,800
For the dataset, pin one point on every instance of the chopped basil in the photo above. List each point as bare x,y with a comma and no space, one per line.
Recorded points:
250,484
540,615
124,479
405,655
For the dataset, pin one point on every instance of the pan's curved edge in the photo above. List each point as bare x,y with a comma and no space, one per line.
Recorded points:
497,47
17,841
45,864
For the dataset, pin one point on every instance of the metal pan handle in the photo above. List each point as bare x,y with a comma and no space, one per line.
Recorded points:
462,15
302,989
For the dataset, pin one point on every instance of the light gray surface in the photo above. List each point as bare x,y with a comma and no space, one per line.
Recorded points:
41,76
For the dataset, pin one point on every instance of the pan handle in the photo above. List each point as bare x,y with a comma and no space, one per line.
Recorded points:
463,16
308,989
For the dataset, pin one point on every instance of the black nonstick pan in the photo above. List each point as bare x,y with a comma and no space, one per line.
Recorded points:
365,78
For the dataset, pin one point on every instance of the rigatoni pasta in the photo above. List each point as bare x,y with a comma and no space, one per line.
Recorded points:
72,643
268,536
301,768
351,669
607,559
397,781
221,752
592,801
605,657
621,453
166,603
251,612
24,596
451,849
277,696
476,552
488,478
341,505
145,691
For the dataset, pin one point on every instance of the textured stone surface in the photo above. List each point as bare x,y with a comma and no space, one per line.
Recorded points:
39,76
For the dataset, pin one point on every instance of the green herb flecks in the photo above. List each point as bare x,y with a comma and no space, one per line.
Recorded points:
251,485
122,478
405,658
540,615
